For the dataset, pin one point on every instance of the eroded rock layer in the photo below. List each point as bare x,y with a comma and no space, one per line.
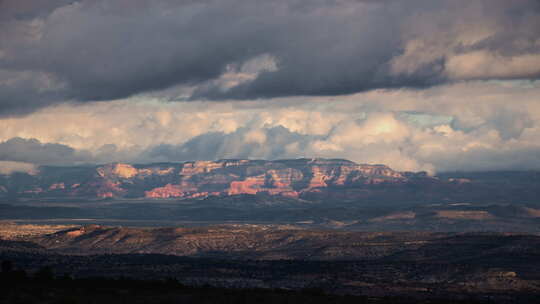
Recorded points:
292,178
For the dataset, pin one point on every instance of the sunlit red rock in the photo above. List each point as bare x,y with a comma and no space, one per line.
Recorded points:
57,186
198,167
284,178
155,171
35,190
165,192
105,194
250,185
459,180
199,179
275,182
100,188
319,178
117,169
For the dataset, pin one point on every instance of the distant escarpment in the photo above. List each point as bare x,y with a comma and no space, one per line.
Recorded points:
296,178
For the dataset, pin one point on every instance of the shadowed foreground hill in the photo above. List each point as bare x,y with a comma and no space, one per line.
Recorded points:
494,266
42,287
289,242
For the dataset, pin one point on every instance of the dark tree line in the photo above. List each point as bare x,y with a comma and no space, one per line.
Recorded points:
42,286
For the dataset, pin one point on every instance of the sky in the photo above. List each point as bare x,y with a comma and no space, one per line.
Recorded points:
418,85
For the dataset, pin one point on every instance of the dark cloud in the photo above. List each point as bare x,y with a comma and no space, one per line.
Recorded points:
509,123
27,9
33,151
92,50
264,143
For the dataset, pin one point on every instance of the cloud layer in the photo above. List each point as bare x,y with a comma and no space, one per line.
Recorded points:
417,85
465,126
73,51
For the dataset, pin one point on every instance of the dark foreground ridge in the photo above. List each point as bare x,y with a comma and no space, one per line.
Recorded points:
43,286
287,242
498,267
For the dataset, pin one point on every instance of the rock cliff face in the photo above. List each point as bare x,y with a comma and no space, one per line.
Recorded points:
292,178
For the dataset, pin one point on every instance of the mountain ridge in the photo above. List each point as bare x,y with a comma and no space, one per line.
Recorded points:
198,179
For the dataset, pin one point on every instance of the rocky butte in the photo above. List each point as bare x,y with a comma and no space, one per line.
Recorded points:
295,178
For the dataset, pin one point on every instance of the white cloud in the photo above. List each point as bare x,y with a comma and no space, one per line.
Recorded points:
464,126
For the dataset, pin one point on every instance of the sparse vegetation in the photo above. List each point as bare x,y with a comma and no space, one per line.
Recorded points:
419,265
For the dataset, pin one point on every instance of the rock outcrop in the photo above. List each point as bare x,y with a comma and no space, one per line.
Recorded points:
198,179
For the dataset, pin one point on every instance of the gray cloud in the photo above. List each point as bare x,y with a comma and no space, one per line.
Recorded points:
33,151
24,10
483,159
509,123
88,50
9,167
265,143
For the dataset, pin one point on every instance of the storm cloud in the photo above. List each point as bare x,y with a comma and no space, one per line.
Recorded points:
33,151
100,50
417,85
